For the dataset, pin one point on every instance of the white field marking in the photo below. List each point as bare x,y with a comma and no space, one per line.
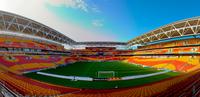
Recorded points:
66,77
143,76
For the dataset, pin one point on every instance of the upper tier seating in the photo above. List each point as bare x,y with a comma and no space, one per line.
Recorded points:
186,42
178,50
17,42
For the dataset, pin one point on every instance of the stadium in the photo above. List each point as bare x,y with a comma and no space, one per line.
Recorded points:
34,62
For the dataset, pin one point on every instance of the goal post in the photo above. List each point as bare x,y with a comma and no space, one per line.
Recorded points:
105,74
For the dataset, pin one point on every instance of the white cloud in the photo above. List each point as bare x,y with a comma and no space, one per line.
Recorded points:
98,23
36,10
76,4
95,9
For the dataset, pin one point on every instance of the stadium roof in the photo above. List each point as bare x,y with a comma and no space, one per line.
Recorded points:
181,28
21,25
15,23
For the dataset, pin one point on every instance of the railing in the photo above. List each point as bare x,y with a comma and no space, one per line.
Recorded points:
5,91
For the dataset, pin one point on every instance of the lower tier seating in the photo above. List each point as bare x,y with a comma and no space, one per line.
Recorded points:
182,63
104,58
24,63
29,87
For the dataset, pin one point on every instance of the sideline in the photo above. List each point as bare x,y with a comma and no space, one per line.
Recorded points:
67,77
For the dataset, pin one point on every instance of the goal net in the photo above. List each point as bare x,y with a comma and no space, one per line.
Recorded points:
105,74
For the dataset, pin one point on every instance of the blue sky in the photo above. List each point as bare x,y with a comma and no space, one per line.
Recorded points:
129,18
105,20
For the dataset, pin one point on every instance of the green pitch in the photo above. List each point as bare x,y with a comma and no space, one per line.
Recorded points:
91,69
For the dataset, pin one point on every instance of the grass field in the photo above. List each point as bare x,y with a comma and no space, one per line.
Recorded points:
90,69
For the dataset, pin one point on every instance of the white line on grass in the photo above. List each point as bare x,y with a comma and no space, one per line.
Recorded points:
143,76
66,77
